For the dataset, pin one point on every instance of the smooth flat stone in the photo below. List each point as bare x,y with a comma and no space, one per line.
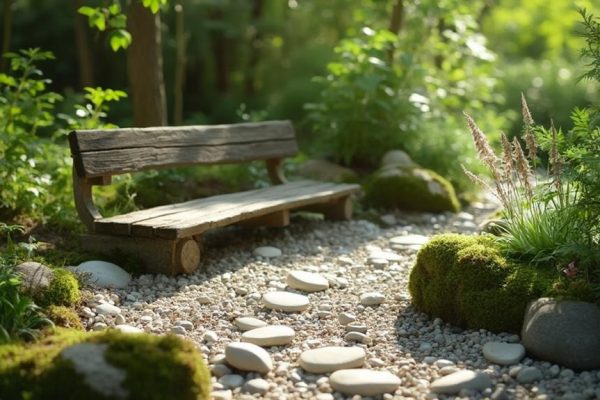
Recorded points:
104,274
248,323
465,379
371,299
409,241
267,252
307,281
107,309
128,329
385,255
248,357
231,381
356,327
285,301
358,337
257,385
345,318
503,353
271,335
332,358
365,382
529,375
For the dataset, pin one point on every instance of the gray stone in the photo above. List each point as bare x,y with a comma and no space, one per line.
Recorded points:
88,360
396,157
221,395
285,301
372,299
35,276
267,252
323,170
271,335
465,379
258,385
410,241
231,381
563,332
107,309
128,328
358,337
529,374
103,274
503,353
364,382
248,323
248,357
220,370
345,318
333,358
306,281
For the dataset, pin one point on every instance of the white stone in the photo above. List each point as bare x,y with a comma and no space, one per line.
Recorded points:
221,395
364,382
210,337
410,241
128,329
120,320
285,301
107,309
371,299
465,379
356,327
271,335
248,357
186,324
385,255
267,252
503,353
307,281
248,323
104,274
231,381
257,385
178,330
358,337
332,358
345,318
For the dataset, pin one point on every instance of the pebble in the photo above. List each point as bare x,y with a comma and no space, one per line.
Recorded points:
107,309
356,327
503,353
104,274
120,319
332,358
267,252
358,337
248,323
384,255
221,395
345,318
285,301
257,385
220,370
271,335
178,330
529,375
185,324
231,381
372,299
248,357
128,328
411,241
364,382
465,379
306,281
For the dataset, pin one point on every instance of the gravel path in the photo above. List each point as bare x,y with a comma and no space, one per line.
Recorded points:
412,346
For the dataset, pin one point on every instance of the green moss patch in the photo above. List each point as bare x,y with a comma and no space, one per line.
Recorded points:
62,291
153,367
409,188
466,281
64,317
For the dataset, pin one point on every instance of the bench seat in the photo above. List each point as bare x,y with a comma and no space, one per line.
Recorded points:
196,216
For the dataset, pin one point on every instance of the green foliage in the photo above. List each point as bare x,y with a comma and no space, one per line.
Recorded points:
466,281
38,372
591,50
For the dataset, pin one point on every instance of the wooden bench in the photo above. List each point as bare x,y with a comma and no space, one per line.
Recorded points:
167,238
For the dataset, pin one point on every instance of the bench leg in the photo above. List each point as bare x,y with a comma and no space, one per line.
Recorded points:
339,209
159,256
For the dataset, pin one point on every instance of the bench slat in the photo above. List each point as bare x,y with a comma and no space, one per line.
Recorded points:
116,151
196,216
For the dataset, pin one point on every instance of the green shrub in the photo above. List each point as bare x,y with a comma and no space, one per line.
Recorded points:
157,367
466,281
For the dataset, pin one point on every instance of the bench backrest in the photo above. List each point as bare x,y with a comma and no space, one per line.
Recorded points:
102,153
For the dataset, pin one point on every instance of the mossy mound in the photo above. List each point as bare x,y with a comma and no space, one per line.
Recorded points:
99,366
64,317
410,188
466,281
62,291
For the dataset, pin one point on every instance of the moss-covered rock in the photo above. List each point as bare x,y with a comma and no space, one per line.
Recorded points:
64,316
466,281
62,291
107,365
410,188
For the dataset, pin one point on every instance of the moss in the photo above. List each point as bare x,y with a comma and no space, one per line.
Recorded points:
157,367
466,281
63,290
64,317
408,188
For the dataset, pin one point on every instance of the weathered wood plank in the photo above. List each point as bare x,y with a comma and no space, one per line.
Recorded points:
119,161
179,136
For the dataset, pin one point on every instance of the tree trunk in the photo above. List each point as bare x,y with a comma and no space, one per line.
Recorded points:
254,56
396,23
180,61
219,49
84,53
6,31
145,67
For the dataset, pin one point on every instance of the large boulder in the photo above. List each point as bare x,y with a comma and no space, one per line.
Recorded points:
48,286
323,170
563,332
107,365
466,281
409,187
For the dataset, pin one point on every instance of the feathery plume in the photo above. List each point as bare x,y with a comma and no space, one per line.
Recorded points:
555,161
527,119
507,157
523,168
486,154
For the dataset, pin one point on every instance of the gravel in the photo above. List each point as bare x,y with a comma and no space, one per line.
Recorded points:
202,307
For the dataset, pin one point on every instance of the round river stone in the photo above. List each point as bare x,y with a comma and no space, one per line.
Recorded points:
285,301
332,358
365,382
272,335
307,281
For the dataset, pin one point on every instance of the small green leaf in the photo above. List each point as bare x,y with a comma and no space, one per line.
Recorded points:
119,39
114,9
87,11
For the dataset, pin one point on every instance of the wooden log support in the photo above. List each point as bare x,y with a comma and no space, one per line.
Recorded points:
278,219
159,256
339,209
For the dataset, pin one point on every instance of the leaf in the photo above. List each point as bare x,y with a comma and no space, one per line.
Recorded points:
87,11
119,39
